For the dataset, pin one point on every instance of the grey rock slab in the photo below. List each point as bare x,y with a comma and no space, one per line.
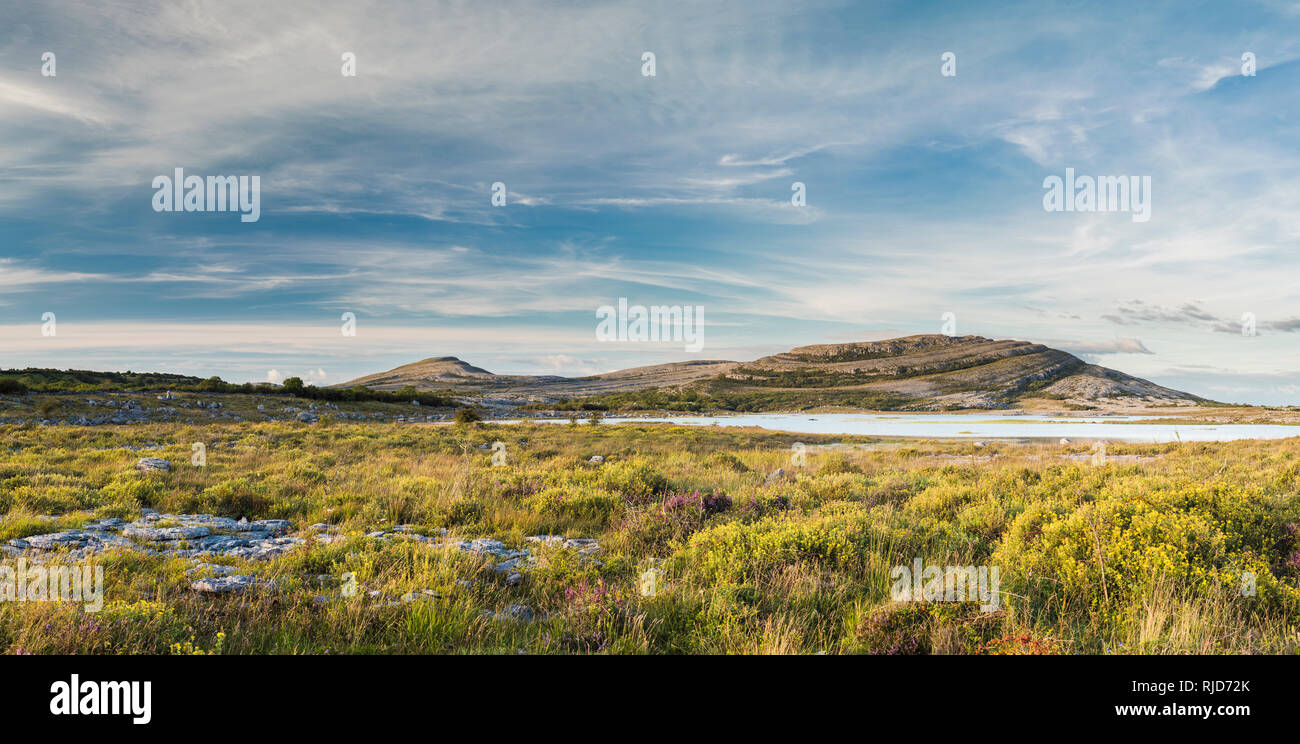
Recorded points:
517,612
152,464
224,584
507,566
56,540
584,545
221,543
165,534
486,545
274,526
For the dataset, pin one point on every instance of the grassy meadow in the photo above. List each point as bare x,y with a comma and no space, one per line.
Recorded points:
1142,555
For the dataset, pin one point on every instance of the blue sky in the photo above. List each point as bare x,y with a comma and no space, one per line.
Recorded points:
924,192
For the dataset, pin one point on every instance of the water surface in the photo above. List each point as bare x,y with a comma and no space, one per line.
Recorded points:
978,426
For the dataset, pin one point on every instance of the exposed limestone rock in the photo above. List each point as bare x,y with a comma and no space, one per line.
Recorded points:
152,464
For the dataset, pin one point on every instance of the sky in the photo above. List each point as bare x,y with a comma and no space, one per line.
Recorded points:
923,191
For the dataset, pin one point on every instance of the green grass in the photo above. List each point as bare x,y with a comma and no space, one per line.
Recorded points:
1131,558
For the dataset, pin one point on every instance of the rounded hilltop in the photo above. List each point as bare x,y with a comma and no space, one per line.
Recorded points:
920,372
444,369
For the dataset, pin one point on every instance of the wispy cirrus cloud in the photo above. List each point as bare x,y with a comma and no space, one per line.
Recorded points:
924,192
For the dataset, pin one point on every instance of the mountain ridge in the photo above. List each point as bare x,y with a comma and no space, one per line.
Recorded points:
920,372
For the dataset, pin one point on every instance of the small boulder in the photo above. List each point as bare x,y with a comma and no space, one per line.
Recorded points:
54,541
152,465
516,612
223,584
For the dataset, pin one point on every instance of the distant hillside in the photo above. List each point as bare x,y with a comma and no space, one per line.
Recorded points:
57,380
942,372
64,381
924,372
432,372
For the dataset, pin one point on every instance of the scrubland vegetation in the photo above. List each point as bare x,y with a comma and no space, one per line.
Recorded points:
1141,555
21,381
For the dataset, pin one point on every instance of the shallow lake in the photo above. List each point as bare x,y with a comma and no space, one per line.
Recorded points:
978,426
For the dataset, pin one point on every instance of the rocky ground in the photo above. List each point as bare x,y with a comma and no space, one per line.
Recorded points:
204,538
109,409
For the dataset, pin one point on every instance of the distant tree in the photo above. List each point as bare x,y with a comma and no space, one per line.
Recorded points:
467,416
10,386
212,385
293,385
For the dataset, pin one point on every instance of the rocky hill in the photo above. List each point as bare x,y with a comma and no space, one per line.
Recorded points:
435,371
924,372
937,372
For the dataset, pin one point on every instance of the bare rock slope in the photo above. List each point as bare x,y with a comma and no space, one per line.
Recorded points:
924,372
936,371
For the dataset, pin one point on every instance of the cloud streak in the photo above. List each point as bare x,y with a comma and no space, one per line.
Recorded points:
924,192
